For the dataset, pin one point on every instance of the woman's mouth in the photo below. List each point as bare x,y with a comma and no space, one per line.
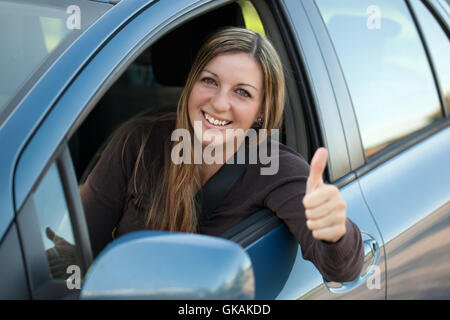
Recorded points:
214,123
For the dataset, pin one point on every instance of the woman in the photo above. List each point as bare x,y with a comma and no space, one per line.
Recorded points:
236,83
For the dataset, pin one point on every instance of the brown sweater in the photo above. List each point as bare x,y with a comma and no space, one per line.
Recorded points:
108,207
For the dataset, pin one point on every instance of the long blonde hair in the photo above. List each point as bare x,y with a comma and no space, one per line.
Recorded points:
168,195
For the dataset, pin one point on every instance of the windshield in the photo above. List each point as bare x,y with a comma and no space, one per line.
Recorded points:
32,35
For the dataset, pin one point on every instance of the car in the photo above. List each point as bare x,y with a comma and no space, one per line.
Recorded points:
367,79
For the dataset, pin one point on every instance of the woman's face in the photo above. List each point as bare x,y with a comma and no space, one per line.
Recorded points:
227,95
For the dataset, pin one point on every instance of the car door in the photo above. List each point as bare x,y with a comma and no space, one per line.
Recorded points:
397,78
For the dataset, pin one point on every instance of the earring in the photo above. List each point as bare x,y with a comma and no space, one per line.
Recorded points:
260,121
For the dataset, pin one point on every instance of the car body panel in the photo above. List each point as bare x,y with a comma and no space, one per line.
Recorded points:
419,259
273,256
404,203
12,274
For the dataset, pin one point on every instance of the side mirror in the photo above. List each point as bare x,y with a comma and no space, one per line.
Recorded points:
169,265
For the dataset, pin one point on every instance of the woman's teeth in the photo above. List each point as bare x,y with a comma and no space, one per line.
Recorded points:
214,121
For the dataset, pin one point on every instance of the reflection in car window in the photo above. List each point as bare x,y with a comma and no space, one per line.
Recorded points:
438,45
31,31
385,67
55,224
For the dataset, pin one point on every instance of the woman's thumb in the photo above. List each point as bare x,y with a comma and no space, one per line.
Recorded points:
50,234
317,168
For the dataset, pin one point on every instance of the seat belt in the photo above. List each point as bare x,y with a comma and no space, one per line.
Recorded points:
218,187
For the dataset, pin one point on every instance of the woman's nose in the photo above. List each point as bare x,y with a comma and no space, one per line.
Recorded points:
220,101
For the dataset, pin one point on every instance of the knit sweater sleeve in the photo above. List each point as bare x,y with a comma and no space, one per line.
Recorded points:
103,194
340,261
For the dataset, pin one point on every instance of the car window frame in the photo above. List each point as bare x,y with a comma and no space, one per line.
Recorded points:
317,72
446,30
30,167
442,13
428,54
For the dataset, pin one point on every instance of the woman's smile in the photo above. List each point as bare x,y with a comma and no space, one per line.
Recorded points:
213,122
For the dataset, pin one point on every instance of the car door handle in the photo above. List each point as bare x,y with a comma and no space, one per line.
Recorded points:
370,245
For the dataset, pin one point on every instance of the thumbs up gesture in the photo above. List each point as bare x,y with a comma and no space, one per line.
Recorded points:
60,256
324,207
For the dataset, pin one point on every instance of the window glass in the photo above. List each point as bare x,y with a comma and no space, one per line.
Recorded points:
438,45
30,33
55,224
385,67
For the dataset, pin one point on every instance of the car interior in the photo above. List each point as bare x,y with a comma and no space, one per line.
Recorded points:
153,83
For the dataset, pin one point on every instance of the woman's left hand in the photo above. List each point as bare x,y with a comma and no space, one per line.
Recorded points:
324,206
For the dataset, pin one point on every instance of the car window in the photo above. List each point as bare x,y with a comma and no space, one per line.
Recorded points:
55,225
385,67
36,33
438,45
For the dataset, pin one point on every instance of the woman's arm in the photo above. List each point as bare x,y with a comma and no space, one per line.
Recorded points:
104,192
327,237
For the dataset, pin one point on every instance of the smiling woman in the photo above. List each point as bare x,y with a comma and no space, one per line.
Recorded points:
236,83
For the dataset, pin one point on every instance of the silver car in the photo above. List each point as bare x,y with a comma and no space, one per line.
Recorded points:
367,79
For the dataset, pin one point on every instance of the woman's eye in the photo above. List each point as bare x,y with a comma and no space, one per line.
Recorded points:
209,81
243,93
